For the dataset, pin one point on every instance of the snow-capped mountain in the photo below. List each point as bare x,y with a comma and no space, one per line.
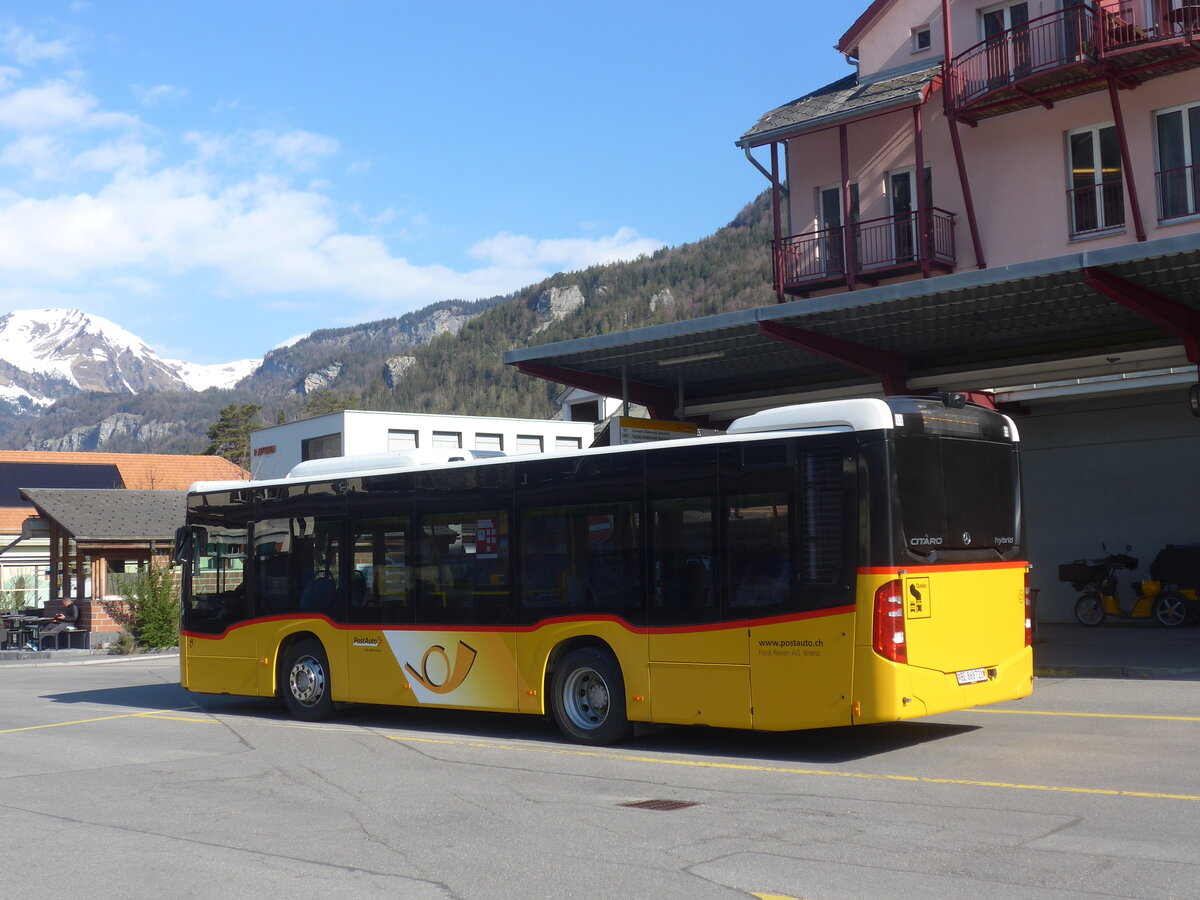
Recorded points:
49,354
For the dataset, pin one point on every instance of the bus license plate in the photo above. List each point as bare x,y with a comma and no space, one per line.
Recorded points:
971,676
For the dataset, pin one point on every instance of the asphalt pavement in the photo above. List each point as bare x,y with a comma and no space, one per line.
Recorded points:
1116,649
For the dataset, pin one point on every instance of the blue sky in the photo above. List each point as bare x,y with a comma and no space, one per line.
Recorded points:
220,177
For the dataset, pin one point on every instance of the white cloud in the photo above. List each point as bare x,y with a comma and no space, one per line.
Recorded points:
26,49
122,224
520,251
299,149
57,105
160,93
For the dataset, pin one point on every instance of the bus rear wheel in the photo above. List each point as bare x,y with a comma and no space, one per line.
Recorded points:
304,682
588,697
1089,609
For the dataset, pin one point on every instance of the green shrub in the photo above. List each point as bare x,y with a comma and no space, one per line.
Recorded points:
153,600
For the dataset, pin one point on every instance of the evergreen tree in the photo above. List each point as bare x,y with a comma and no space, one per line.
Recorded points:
230,434
320,403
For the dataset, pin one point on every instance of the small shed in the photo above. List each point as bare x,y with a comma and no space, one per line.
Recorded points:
89,529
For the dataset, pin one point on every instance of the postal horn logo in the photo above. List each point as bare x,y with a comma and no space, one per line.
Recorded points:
456,672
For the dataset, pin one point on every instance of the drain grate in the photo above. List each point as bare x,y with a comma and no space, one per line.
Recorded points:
659,805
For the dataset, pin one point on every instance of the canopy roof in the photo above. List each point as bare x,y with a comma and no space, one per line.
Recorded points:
967,331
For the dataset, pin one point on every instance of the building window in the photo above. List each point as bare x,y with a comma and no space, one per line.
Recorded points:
447,439
1097,194
921,39
1178,137
322,447
529,443
489,442
830,250
587,411
401,439
567,443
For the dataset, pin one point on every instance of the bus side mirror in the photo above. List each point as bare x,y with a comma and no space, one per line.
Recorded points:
186,540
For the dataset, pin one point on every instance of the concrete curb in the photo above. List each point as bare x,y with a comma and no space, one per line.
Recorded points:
32,658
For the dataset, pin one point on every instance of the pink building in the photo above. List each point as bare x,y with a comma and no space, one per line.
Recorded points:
1055,127
1020,222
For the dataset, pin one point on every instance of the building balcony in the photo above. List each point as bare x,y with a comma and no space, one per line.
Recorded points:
1071,52
1178,192
882,248
1097,209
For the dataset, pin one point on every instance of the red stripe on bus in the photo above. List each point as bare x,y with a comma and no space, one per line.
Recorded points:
950,567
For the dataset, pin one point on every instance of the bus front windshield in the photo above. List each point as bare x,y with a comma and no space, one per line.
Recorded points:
957,495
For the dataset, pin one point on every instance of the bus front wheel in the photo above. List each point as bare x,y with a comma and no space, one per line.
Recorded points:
304,684
588,697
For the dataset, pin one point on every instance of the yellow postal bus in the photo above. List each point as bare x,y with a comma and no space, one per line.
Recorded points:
825,564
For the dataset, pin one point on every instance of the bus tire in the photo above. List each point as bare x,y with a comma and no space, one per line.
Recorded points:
588,697
304,681
1089,609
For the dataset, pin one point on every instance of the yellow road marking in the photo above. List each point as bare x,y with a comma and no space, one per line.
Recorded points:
1082,715
152,714
785,770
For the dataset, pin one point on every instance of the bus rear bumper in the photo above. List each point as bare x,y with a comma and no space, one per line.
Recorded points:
893,692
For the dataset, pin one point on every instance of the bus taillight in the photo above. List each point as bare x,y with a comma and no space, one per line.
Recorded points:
889,622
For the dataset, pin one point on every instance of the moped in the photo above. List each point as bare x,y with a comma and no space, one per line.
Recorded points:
1100,598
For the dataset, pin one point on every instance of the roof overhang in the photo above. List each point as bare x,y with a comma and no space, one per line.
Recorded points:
1031,322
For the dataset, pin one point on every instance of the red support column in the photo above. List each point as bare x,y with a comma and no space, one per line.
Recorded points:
1119,120
777,216
980,262
1181,321
923,218
849,227
890,368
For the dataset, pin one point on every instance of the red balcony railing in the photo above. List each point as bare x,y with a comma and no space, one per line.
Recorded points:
890,245
1097,208
1178,192
1039,46
1072,51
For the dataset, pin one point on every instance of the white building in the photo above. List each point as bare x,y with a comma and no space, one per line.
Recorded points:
276,449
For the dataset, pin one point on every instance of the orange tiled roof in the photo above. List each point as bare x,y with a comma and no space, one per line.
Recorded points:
141,471
11,518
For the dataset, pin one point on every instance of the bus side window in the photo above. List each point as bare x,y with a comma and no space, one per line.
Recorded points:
380,578
757,544
462,568
683,561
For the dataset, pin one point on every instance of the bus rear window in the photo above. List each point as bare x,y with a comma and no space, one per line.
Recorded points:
957,494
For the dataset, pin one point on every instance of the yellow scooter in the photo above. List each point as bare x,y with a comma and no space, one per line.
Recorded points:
1170,608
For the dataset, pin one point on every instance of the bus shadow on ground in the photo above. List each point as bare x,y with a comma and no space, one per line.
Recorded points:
814,747
165,696
817,746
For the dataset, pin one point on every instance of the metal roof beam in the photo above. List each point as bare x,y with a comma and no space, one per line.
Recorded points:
660,401
1181,321
890,368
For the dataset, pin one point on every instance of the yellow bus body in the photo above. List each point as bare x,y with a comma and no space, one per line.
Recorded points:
805,670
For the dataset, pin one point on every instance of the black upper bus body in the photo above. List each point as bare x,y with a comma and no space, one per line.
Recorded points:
754,524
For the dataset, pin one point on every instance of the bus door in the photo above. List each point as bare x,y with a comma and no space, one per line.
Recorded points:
699,665
790,539
218,655
380,599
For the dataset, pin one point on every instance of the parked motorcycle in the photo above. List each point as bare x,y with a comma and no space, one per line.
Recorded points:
1170,595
